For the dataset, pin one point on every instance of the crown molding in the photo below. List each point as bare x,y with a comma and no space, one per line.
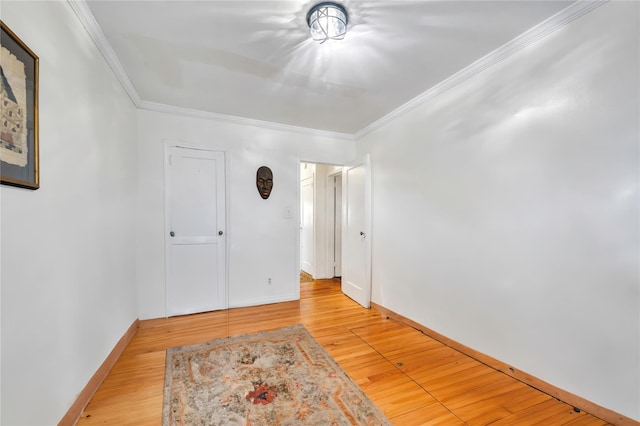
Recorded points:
243,121
557,21
95,32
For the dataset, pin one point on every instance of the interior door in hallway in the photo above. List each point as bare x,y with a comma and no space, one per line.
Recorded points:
356,245
195,227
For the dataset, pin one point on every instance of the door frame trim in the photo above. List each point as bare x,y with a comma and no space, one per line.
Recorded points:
298,211
171,143
314,261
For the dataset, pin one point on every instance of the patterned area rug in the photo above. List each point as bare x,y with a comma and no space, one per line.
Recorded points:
280,377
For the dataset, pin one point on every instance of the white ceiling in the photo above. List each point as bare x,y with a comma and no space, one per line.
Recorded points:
255,59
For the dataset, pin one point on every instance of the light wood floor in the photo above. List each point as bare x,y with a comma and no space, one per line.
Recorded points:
412,378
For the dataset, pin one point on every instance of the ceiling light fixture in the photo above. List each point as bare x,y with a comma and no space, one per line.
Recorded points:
327,20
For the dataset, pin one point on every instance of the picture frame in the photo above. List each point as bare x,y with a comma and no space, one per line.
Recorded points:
19,155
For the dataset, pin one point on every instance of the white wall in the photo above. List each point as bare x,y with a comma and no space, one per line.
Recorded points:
307,218
68,267
262,243
505,211
320,221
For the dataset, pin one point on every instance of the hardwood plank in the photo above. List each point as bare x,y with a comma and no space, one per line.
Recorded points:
543,413
587,421
429,415
434,368
485,406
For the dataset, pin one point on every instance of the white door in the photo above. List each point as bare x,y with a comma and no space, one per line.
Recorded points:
356,245
195,218
306,225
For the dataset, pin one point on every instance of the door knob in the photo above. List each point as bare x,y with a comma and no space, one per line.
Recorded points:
220,232
361,233
173,234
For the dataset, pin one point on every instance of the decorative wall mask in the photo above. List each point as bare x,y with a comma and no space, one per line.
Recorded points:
264,181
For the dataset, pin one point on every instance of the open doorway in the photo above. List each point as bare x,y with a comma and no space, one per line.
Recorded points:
320,222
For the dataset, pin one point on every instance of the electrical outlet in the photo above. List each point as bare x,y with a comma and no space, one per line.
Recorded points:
269,281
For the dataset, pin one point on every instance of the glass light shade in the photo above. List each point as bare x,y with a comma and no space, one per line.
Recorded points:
327,21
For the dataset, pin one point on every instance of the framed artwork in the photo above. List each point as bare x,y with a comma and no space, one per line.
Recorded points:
19,160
